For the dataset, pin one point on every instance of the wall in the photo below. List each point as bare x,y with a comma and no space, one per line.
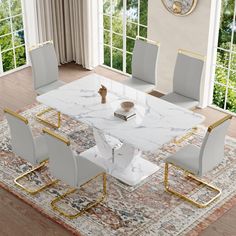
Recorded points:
190,32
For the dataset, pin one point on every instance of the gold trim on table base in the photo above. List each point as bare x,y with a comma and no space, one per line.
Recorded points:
28,173
47,122
185,197
89,206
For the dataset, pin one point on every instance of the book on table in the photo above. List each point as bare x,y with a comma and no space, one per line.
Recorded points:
120,113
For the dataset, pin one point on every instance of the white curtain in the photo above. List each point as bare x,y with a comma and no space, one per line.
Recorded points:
73,26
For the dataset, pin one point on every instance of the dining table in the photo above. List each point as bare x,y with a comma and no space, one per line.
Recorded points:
120,144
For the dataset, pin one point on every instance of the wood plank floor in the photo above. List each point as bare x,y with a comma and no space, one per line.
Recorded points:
19,219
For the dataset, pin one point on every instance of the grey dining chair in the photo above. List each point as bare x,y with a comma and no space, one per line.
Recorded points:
195,161
186,80
24,145
75,170
144,65
45,75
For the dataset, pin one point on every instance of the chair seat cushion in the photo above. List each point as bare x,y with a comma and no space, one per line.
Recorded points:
41,149
49,87
180,100
138,84
186,158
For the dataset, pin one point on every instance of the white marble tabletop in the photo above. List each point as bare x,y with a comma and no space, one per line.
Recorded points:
157,122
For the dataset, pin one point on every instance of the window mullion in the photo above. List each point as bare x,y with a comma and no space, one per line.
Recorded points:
111,11
12,34
124,35
230,58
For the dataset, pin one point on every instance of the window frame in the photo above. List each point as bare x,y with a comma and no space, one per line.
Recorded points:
13,46
228,68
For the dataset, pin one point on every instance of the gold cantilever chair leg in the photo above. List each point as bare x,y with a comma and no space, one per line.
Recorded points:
28,173
47,122
198,204
186,136
89,206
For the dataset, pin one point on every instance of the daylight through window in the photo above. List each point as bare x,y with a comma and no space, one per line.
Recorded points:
12,43
123,20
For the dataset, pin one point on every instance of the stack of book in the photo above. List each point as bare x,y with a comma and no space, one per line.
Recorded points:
120,113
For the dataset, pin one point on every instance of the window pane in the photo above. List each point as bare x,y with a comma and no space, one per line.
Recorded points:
143,31
132,30
4,9
8,60
19,38
117,8
117,41
219,95
132,11
107,37
143,12
233,61
221,75
232,79
15,7
117,59
107,22
20,56
222,58
117,25
107,6
231,100
17,23
6,42
5,27
107,56
130,44
226,24
128,63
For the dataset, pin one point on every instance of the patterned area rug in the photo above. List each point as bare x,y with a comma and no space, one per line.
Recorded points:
145,209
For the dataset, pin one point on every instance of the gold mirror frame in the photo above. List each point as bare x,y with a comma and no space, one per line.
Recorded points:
194,4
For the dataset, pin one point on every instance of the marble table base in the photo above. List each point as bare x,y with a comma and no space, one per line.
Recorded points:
138,170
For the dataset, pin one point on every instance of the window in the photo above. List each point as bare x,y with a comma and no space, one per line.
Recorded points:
12,43
224,95
123,20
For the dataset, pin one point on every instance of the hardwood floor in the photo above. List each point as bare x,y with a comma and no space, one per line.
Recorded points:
19,219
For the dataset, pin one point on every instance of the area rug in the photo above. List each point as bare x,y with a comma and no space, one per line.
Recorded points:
142,210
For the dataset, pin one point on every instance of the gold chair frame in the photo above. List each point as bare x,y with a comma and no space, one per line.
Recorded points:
186,136
47,122
30,191
191,175
185,197
89,206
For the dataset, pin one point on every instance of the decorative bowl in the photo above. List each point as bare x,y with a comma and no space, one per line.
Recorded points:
127,106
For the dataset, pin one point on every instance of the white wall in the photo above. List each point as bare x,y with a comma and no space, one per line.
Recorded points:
190,32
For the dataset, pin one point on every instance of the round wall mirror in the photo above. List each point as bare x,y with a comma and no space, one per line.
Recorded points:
180,7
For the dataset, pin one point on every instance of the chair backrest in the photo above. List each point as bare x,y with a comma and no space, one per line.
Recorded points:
144,61
62,163
22,141
44,64
188,74
212,150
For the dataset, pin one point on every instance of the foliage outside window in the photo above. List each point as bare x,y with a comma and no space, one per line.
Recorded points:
12,43
123,20
224,95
